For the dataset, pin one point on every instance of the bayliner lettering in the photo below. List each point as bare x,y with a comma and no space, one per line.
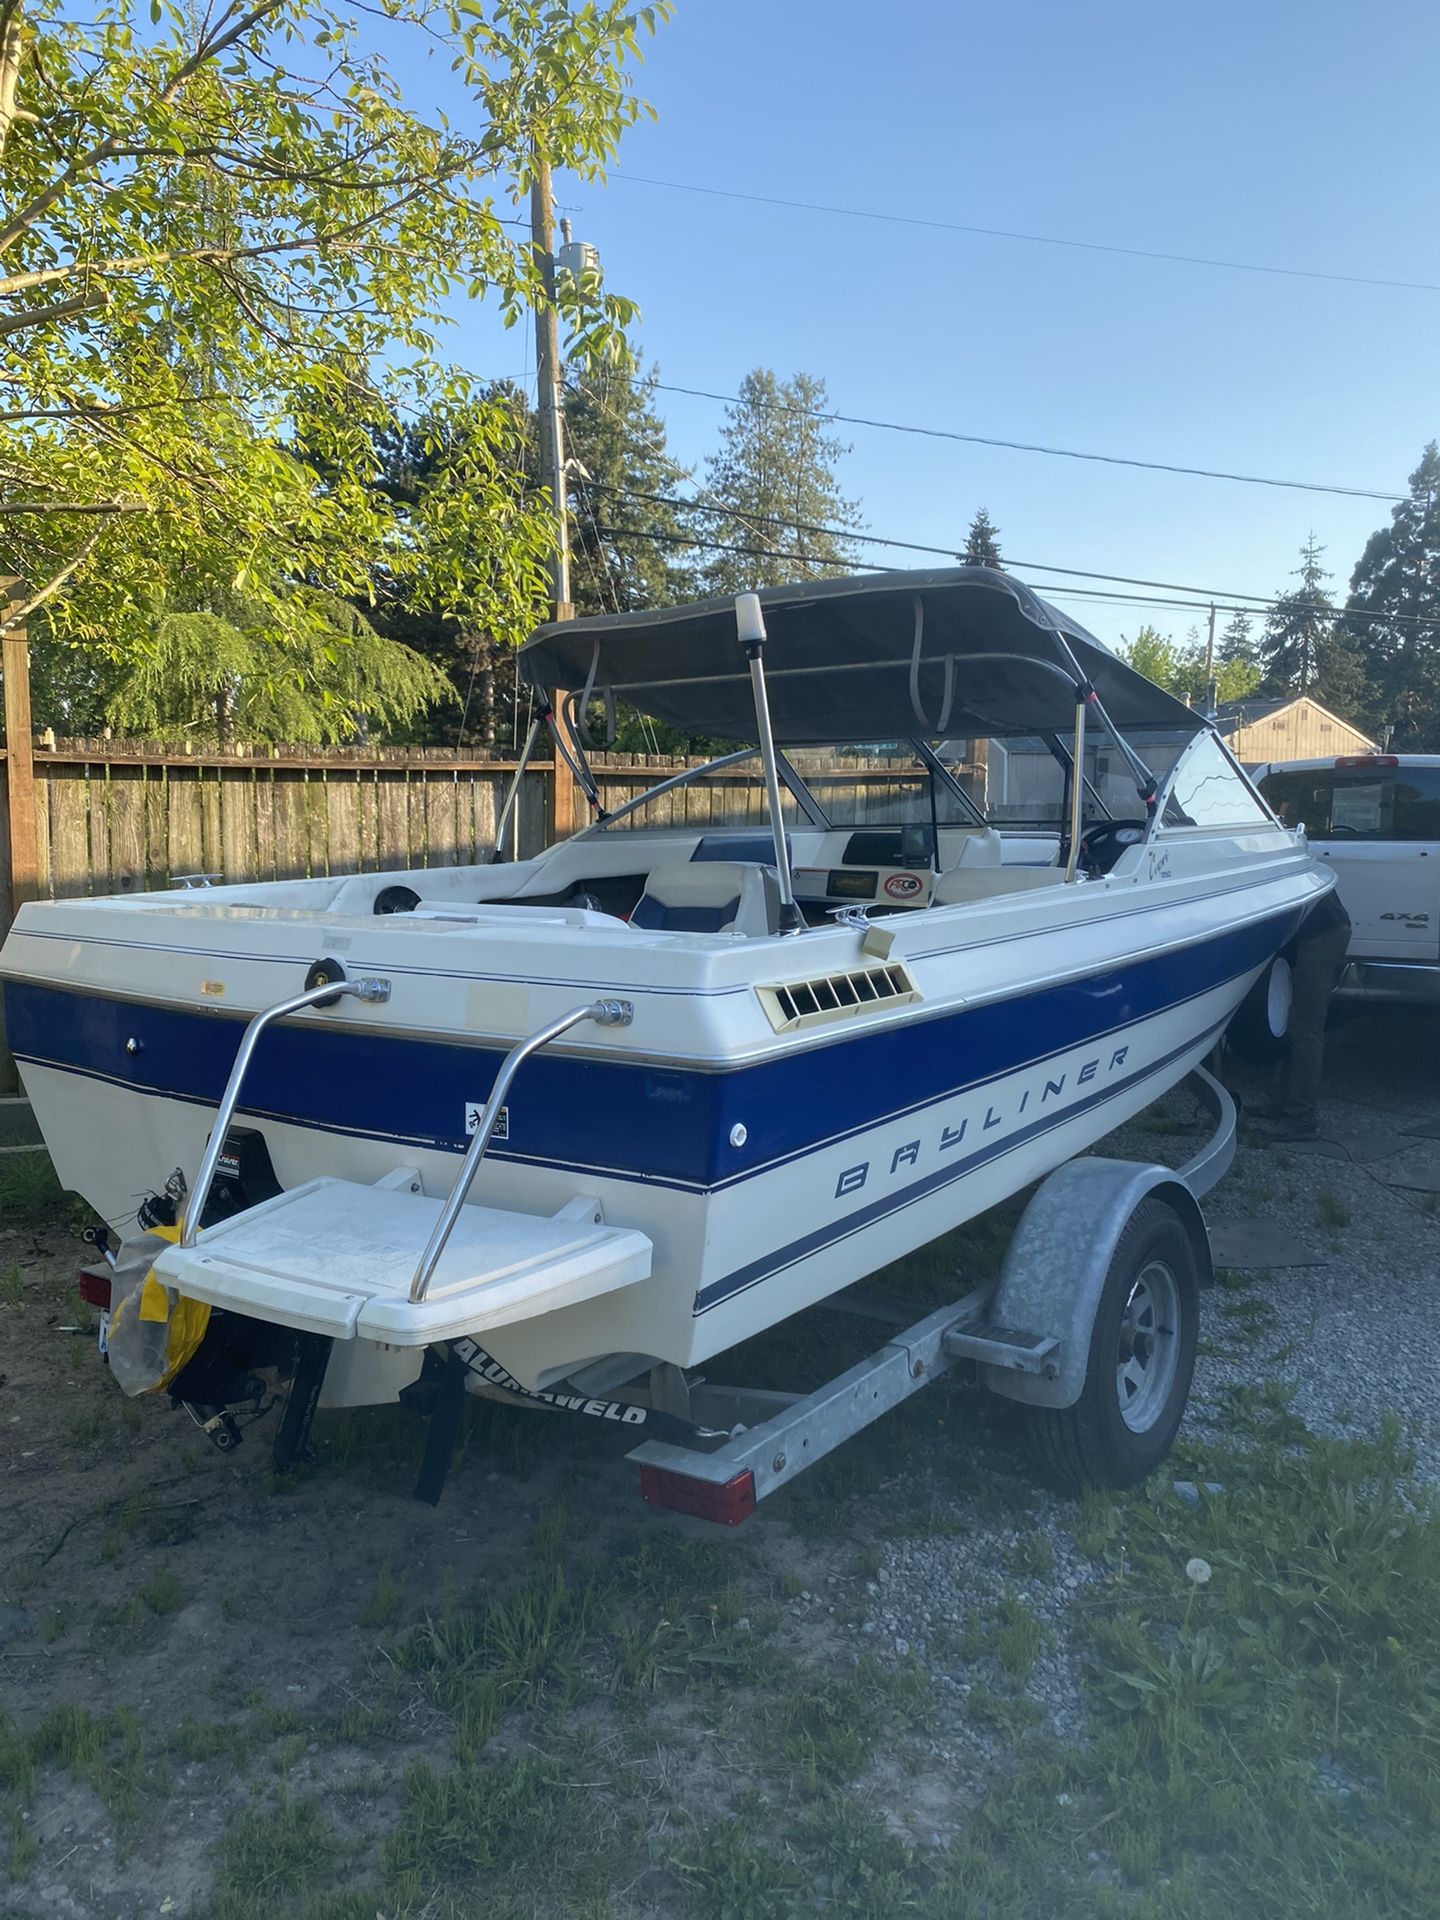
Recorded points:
1032,1099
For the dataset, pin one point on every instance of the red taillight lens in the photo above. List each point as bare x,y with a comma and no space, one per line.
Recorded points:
727,1503
1368,760
94,1289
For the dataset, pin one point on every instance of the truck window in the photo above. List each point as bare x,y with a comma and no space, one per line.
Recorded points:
1359,803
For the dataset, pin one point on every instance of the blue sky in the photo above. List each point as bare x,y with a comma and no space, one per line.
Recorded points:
1289,135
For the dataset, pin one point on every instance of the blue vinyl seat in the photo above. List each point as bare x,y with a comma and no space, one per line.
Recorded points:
710,896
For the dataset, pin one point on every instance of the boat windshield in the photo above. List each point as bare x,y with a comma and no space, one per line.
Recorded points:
1015,783
876,784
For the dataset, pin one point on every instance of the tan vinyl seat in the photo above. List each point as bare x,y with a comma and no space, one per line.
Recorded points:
710,896
961,884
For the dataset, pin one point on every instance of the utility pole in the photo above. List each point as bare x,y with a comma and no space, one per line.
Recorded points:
1210,689
561,811
548,395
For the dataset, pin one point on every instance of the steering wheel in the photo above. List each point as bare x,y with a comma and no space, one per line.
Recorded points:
1102,845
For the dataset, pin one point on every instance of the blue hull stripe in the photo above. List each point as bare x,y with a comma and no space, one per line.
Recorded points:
834,1231
635,1120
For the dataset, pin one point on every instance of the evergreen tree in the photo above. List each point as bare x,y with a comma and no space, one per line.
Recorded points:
629,548
1237,642
1303,649
774,474
982,543
217,670
1396,585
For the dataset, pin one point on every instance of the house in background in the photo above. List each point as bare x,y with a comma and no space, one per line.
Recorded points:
1292,727
1021,783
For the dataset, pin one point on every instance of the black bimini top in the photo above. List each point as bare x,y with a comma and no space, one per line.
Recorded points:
958,652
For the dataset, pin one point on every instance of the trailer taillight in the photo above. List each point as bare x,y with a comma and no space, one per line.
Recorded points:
726,1502
94,1289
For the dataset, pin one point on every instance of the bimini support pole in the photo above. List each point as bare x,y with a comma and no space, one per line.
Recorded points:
512,793
750,627
1077,786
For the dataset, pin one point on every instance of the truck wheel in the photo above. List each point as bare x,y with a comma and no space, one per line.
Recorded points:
1142,1358
1260,1029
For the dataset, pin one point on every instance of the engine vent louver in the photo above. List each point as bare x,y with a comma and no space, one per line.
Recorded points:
836,996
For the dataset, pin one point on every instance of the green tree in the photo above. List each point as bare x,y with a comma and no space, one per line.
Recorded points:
214,674
225,237
1302,648
1396,588
982,542
428,471
1237,643
1181,669
631,549
774,478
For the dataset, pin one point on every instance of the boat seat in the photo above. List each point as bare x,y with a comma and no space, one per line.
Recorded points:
710,896
960,884
980,847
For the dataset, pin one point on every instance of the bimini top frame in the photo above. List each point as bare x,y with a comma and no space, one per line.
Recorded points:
964,652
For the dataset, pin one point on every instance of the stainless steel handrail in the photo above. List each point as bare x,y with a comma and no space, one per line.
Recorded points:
366,989
605,1013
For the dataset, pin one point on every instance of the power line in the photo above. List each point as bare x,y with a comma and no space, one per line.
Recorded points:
1026,446
1099,595
916,546
1032,239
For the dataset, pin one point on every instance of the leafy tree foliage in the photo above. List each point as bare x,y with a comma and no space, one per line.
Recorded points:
1302,649
426,468
225,238
774,475
982,542
1180,669
1396,587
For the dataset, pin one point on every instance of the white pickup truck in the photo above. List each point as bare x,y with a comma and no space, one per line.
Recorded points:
1376,818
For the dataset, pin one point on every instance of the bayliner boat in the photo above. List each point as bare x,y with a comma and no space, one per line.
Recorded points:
567,1122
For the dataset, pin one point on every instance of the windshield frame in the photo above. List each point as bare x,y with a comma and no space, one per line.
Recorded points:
928,761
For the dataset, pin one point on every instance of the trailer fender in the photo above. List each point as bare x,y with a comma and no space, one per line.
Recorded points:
1059,1256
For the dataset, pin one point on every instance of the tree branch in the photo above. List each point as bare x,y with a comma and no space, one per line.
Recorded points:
16,616
106,149
61,310
73,506
12,34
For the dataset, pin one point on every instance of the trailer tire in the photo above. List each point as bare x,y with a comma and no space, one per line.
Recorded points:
1141,1360
1259,1033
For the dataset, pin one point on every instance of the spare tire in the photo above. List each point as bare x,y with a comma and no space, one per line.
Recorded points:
1259,1031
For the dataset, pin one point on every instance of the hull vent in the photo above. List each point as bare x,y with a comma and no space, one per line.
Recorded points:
836,996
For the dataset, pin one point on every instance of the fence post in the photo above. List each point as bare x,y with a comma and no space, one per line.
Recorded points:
19,751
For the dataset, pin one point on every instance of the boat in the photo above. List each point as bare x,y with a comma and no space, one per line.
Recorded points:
563,1123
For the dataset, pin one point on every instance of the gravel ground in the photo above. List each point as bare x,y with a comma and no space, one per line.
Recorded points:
1356,1334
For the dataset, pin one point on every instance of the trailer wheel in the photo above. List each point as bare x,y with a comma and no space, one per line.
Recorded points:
1142,1358
1260,1031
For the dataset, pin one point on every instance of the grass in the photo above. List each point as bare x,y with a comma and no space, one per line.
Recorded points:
162,1592
649,1729
384,1603
30,1195
12,1285
1331,1211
